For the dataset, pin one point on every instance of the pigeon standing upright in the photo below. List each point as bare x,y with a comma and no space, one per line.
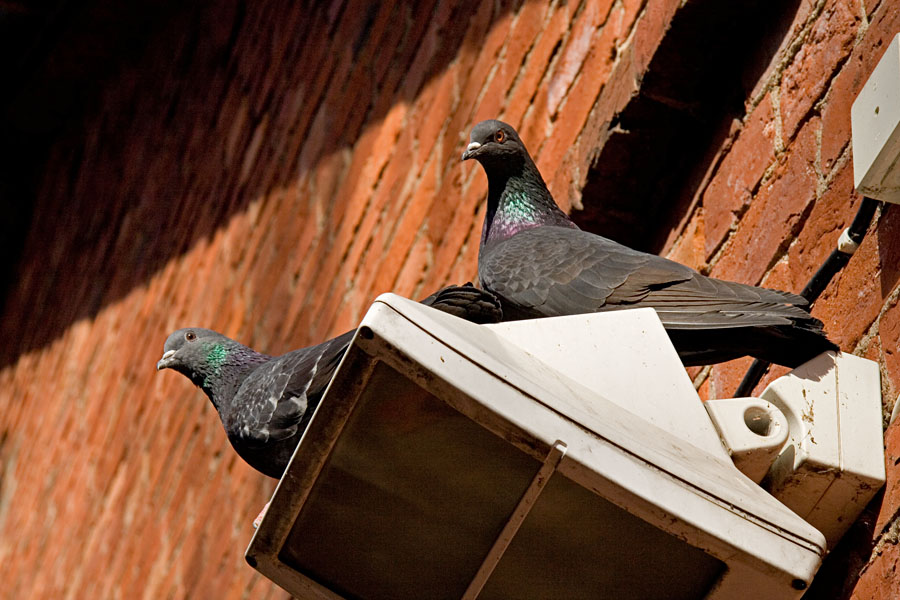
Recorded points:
265,402
540,264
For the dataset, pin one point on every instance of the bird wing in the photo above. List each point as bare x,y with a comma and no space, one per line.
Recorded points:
554,271
707,303
281,394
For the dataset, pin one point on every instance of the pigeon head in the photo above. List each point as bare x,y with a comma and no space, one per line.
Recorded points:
496,144
194,352
213,362
518,198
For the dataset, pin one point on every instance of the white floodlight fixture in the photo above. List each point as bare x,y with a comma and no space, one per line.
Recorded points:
555,458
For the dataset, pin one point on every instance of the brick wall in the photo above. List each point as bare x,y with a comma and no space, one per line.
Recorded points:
268,169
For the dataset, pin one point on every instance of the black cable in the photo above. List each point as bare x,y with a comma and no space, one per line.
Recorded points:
752,377
836,261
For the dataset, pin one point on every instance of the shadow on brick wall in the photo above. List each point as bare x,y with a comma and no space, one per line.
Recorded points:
643,180
149,128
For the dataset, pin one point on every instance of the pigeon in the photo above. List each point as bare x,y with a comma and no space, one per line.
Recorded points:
538,263
266,402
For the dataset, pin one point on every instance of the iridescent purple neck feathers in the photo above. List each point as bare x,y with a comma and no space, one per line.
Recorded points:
517,202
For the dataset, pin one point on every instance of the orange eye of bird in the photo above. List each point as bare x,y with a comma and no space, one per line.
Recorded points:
190,336
499,137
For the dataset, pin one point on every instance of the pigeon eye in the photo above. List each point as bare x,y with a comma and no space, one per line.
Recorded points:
499,137
190,336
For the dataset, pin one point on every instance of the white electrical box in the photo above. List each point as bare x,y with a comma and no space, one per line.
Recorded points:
875,122
834,461
558,458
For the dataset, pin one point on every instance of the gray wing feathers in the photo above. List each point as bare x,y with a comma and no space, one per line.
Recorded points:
560,271
275,398
705,303
256,407
551,271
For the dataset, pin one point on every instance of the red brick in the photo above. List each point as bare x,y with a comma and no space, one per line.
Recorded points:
703,390
482,55
429,132
805,80
492,97
526,87
879,579
830,215
725,377
523,36
473,65
889,337
621,85
447,222
573,114
890,506
773,214
732,187
792,32
650,30
326,121
625,15
580,43
555,77
465,267
688,250
851,303
836,109
416,262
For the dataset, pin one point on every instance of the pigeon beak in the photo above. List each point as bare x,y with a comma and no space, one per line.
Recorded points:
470,151
166,361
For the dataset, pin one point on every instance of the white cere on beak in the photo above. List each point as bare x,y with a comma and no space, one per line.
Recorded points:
473,146
163,362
